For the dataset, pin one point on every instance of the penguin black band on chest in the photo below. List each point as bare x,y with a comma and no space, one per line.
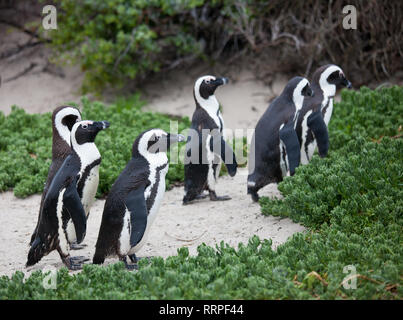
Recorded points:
275,149
62,201
206,146
135,197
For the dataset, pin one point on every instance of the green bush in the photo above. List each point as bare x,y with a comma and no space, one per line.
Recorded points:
356,186
367,113
26,143
252,271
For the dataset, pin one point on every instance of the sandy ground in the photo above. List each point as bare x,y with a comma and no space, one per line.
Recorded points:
232,221
244,99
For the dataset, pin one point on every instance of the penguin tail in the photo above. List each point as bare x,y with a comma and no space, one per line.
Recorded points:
36,252
98,258
32,238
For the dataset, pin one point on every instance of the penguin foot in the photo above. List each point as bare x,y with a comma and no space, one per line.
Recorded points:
214,197
71,264
255,196
133,258
191,198
79,259
75,246
201,196
133,266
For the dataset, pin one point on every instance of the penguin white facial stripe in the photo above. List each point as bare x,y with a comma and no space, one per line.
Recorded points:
63,130
211,104
297,96
155,159
328,88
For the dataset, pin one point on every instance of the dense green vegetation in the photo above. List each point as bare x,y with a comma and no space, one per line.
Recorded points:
351,203
119,40
26,143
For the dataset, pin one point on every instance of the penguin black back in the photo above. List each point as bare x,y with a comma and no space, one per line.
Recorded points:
63,119
274,137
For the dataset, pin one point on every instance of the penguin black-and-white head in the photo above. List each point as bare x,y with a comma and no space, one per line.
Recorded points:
154,142
331,77
205,87
63,120
296,89
86,131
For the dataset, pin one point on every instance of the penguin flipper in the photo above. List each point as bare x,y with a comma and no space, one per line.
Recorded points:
290,139
318,126
72,203
222,149
136,204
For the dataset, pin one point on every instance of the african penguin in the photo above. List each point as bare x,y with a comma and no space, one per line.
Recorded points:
62,201
135,197
316,111
275,148
206,147
63,119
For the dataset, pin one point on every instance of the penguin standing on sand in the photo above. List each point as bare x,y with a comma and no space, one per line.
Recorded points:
275,149
135,197
63,119
206,147
62,201
316,111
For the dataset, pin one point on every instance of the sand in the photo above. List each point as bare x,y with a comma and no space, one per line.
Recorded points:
208,222
244,99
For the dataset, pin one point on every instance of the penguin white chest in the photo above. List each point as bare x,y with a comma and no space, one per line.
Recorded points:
307,148
88,197
328,112
283,157
90,189
152,214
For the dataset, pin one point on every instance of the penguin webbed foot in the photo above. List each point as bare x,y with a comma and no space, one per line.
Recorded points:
72,264
76,246
214,197
79,259
133,258
130,267
201,196
254,195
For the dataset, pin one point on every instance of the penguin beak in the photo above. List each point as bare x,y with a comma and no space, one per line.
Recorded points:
105,124
101,125
347,83
221,81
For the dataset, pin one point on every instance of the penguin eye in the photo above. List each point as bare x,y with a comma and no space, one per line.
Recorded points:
207,81
84,126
